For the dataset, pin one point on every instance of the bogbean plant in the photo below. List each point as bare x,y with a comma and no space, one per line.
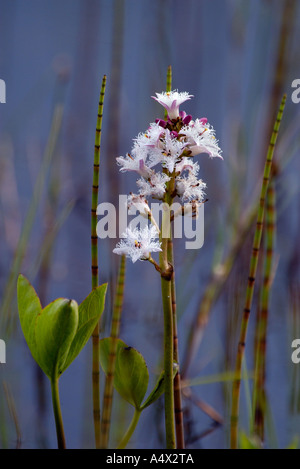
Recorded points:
163,157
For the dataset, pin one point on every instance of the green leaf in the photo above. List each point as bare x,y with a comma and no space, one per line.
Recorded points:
56,334
49,332
131,374
90,311
158,389
55,329
29,306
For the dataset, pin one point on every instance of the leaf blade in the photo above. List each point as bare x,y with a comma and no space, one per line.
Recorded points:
90,312
29,307
131,373
55,330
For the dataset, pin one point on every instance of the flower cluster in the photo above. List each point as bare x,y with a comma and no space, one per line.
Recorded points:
163,158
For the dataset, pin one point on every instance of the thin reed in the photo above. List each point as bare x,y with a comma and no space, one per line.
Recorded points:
114,334
251,279
259,393
95,269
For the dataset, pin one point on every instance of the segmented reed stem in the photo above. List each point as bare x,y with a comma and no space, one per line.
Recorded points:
168,85
251,280
259,397
115,329
95,270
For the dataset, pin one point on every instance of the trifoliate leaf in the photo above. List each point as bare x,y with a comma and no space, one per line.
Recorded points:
57,333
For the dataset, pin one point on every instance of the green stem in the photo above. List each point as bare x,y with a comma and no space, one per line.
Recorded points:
168,85
114,334
130,430
251,279
177,380
166,290
259,393
95,274
168,333
61,442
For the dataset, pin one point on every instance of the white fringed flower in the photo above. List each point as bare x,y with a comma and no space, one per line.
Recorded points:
138,244
138,202
155,186
171,151
136,161
150,138
171,101
190,188
187,164
200,138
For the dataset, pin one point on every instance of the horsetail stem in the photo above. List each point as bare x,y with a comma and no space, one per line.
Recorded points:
115,329
259,397
251,279
169,85
95,273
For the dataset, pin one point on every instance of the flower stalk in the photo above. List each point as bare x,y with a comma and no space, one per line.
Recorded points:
179,429
166,290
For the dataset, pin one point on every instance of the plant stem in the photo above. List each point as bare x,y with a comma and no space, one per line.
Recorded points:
177,380
115,329
166,289
130,430
251,279
168,332
95,275
259,396
61,442
168,85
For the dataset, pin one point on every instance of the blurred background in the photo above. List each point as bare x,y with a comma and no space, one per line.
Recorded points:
237,57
